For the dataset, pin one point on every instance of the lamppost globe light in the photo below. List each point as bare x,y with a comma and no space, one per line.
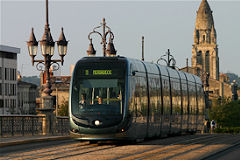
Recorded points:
47,43
62,50
111,49
32,44
91,51
62,44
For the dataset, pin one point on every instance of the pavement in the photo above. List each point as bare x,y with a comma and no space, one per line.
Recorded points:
10,141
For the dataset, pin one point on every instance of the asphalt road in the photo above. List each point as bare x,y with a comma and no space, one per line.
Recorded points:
180,147
229,154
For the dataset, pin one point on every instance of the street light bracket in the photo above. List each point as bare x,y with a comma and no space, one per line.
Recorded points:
111,35
169,58
54,66
40,66
91,51
89,35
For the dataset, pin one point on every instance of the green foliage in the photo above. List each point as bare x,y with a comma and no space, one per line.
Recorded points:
232,130
226,114
63,110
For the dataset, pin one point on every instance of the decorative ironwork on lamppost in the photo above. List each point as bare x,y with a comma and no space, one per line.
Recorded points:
110,50
47,48
170,59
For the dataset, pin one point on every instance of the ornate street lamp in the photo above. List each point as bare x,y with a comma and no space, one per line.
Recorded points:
110,51
47,48
169,59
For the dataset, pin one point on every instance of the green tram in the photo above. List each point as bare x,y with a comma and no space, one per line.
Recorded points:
118,98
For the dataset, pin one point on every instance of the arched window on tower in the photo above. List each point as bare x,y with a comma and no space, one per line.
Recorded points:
208,37
199,57
197,36
207,62
204,38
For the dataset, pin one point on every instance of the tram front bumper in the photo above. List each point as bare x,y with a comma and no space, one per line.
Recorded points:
107,136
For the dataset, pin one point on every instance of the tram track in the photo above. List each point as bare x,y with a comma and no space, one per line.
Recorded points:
178,146
184,151
193,148
46,150
221,152
181,147
163,146
43,150
60,152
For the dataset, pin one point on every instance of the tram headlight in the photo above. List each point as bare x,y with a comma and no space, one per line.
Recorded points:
97,122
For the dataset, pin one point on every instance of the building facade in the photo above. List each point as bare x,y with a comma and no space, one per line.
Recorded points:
8,80
27,97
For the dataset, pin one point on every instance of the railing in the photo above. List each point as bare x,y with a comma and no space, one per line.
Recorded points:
62,125
21,125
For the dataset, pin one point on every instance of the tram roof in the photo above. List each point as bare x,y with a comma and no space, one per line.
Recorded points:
173,73
151,67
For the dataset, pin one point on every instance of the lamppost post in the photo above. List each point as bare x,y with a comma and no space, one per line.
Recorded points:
47,48
104,38
110,49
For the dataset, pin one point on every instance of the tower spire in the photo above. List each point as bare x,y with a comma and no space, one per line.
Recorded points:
205,51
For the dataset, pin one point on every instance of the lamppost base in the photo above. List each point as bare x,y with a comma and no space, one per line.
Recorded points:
47,103
49,121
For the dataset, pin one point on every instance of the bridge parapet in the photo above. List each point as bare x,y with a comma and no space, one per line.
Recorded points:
27,125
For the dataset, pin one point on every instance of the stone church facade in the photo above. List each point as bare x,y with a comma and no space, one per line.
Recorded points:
205,59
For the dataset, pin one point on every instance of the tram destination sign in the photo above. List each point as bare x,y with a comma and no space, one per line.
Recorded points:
98,72
102,72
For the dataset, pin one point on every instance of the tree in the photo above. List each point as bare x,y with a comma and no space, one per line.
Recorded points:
232,77
63,110
226,114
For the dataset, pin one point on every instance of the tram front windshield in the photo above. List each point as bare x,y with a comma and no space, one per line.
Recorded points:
98,90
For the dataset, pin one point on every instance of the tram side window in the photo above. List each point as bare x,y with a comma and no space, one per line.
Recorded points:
200,99
166,96
155,92
176,96
185,97
192,96
138,97
141,96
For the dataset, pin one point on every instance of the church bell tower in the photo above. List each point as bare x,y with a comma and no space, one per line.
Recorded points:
205,50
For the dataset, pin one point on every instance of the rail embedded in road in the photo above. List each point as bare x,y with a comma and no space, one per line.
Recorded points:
180,147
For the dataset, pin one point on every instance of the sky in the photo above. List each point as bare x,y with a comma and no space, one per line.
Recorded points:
164,25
